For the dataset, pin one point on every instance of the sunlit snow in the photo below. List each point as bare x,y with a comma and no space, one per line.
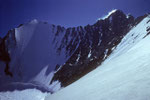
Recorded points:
28,94
109,13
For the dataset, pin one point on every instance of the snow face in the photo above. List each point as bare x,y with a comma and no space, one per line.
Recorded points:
124,77
29,94
35,55
34,49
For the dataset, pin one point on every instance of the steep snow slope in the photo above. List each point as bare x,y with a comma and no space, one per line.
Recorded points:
35,48
123,76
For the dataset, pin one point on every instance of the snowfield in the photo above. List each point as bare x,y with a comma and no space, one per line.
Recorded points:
28,94
125,75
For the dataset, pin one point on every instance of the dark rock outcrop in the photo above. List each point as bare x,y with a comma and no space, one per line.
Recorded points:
5,44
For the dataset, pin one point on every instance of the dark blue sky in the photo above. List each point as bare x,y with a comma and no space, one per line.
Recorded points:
64,12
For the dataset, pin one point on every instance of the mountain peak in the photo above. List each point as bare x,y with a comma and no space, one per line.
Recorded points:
34,21
110,13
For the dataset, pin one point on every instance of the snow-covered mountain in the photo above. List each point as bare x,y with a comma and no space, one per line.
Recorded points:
30,51
47,57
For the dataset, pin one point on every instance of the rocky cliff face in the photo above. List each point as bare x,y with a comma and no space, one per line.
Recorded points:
6,43
65,55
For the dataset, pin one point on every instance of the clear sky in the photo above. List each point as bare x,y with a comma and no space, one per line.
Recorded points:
67,13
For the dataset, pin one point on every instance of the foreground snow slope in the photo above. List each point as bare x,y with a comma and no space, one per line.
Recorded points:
28,94
125,75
